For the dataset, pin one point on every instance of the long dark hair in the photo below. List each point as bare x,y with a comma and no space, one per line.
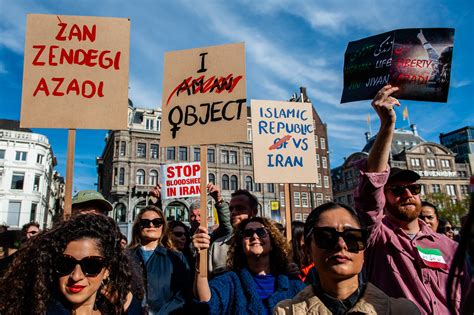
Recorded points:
300,256
30,284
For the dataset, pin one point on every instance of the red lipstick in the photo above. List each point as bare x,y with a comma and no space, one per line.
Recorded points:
75,288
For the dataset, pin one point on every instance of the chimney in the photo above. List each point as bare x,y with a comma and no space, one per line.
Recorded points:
414,130
304,96
368,135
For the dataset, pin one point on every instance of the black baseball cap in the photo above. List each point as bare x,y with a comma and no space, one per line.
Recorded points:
397,174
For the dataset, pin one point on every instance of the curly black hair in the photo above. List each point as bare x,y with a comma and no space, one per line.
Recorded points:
30,284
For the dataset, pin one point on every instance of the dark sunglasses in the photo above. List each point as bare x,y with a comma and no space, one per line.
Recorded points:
179,234
146,223
327,238
91,266
261,232
398,191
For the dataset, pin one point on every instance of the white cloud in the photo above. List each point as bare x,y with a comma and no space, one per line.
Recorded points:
143,95
458,84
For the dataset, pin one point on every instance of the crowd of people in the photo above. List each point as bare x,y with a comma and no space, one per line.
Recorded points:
392,254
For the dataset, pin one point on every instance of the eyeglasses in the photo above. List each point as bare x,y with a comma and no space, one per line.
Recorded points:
179,234
261,232
327,238
32,232
145,223
398,191
91,266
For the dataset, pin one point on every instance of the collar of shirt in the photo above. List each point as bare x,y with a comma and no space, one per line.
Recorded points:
425,230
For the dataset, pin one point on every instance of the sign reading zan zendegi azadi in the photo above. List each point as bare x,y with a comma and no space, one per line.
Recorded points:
75,72
180,180
204,96
283,142
418,61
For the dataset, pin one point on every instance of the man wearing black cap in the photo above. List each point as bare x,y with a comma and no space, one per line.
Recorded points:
405,258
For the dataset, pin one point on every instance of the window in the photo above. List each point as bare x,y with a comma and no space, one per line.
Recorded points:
197,154
316,143
149,124
115,176
123,148
325,162
305,216
247,158
436,188
158,123
282,199
211,156
248,183
430,162
451,190
296,199
233,182
153,180
323,143
225,157
13,216
120,212
34,206
233,157
117,148
212,178
2,154
257,187
20,156
445,164
317,160
36,184
154,149
326,181
270,188
183,153
141,150
17,180
415,162
140,180
319,199
423,190
39,158
464,189
428,150
304,199
225,182
298,217
122,176
320,182
171,153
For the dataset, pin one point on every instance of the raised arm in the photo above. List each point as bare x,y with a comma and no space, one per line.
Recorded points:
223,213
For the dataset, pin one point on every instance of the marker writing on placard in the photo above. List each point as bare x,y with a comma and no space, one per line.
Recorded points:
280,142
203,55
87,88
75,31
278,160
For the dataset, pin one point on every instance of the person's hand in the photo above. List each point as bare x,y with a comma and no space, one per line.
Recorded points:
383,104
421,37
201,239
214,191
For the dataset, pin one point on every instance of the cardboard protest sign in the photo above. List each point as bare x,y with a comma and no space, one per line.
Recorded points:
418,61
204,96
180,180
283,142
75,72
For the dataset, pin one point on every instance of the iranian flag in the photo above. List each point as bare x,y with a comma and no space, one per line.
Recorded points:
432,257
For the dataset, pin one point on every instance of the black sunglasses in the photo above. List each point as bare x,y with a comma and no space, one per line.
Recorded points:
146,223
261,232
327,238
179,234
398,191
91,266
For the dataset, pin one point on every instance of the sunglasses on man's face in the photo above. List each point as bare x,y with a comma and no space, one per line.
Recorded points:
398,191
179,234
146,223
91,266
327,238
261,232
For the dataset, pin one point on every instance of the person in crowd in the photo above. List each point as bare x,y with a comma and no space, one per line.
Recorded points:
29,230
299,251
181,238
165,271
336,239
90,201
280,228
10,242
445,227
78,267
242,205
123,241
388,198
429,214
258,260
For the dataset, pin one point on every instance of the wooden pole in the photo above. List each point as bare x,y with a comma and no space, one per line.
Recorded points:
203,209
288,212
71,143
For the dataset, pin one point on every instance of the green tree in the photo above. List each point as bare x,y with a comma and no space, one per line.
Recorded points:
448,208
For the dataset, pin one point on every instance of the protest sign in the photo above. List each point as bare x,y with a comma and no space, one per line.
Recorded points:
283,142
204,94
418,61
181,180
75,72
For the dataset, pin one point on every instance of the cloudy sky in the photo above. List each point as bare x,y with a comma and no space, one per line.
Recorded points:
288,44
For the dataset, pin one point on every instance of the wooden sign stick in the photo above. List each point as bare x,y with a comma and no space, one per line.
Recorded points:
71,143
203,209
288,215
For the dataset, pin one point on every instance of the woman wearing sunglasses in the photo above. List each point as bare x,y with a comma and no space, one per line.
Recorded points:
77,267
336,240
181,239
165,271
258,260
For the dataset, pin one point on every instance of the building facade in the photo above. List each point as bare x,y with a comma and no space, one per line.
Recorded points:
26,173
435,163
130,166
461,142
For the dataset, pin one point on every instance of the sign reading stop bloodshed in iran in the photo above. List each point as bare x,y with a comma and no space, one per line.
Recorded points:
204,98
75,72
283,142
180,180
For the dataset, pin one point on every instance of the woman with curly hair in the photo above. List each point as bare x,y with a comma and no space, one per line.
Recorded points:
77,267
258,260
165,271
